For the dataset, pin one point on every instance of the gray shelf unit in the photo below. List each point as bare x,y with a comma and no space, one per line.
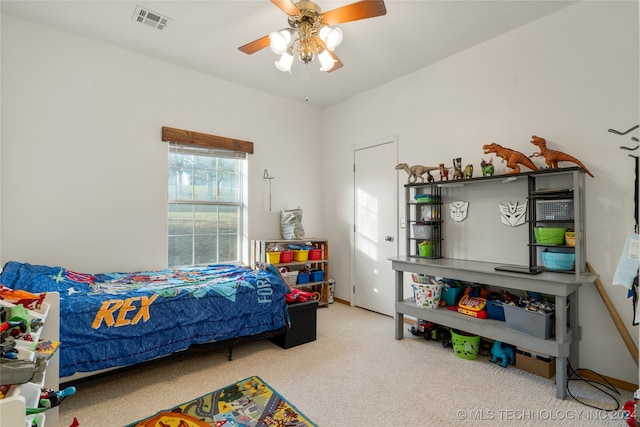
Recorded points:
563,287
545,184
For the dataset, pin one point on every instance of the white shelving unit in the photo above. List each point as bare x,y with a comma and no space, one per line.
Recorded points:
22,396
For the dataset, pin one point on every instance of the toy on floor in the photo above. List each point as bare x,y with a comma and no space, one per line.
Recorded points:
51,398
505,352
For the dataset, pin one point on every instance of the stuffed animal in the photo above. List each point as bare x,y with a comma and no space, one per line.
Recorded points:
503,351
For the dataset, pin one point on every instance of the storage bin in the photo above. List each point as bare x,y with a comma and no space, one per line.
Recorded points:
291,277
301,255
427,295
549,235
303,325
273,257
541,366
495,310
465,346
570,238
422,231
315,254
452,295
426,248
286,256
539,325
302,278
316,276
559,261
554,210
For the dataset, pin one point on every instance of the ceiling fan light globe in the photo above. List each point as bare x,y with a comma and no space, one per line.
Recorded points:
332,37
326,61
285,62
279,41
306,54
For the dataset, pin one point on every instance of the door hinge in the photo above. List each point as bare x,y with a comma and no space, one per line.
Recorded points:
354,167
354,289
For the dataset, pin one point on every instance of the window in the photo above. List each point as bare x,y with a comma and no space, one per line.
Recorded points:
205,201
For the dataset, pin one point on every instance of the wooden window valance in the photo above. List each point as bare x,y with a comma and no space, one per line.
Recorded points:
205,140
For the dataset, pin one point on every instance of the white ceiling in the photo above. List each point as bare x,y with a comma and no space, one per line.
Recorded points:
205,36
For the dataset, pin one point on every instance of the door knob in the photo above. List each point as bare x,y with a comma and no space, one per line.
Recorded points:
388,238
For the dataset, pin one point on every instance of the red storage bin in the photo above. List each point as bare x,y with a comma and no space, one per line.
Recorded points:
315,254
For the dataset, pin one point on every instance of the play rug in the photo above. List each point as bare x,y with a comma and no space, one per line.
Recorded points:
250,402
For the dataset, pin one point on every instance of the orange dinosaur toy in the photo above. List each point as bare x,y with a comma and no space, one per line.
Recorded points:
513,158
552,157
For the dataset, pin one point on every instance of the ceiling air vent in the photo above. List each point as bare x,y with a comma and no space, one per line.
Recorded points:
150,18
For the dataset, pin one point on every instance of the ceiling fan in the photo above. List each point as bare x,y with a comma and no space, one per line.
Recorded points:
309,33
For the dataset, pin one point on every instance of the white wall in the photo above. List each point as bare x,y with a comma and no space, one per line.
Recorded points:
568,77
83,165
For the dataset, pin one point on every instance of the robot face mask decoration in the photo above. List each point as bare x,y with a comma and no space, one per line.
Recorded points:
458,210
513,214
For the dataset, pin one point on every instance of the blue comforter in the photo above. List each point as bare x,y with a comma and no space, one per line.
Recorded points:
119,319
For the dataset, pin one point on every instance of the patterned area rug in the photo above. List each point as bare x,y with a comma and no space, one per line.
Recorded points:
250,402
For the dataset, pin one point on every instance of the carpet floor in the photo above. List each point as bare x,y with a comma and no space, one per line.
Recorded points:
354,374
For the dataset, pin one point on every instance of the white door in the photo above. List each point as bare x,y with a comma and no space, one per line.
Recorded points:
376,226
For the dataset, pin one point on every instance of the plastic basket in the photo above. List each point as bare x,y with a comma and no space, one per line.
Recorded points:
452,295
301,255
554,210
558,260
465,346
291,277
495,310
315,254
286,256
549,235
273,257
427,295
422,231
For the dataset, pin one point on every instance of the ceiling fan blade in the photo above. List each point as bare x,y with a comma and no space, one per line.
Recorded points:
286,6
338,63
354,11
255,45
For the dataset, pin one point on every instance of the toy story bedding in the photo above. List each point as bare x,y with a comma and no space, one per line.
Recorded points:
119,319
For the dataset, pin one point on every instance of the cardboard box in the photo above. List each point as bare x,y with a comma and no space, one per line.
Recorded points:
303,325
543,367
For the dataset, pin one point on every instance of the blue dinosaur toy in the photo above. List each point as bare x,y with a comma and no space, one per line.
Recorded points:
503,351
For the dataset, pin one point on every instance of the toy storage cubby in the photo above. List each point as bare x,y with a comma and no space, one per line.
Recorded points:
424,216
564,184
317,259
557,200
22,396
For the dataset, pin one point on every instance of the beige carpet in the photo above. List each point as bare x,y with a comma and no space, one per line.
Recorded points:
354,374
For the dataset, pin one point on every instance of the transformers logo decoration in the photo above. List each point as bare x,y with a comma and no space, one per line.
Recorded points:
458,210
513,214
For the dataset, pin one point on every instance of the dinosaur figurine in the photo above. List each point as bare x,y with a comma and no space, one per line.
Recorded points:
444,172
513,158
416,172
503,351
468,172
487,167
552,157
457,168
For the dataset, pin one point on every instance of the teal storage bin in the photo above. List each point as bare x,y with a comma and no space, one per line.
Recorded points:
452,295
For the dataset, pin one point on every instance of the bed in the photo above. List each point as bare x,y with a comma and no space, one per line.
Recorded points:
120,319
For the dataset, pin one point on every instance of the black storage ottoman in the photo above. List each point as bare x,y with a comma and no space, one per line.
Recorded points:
303,325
